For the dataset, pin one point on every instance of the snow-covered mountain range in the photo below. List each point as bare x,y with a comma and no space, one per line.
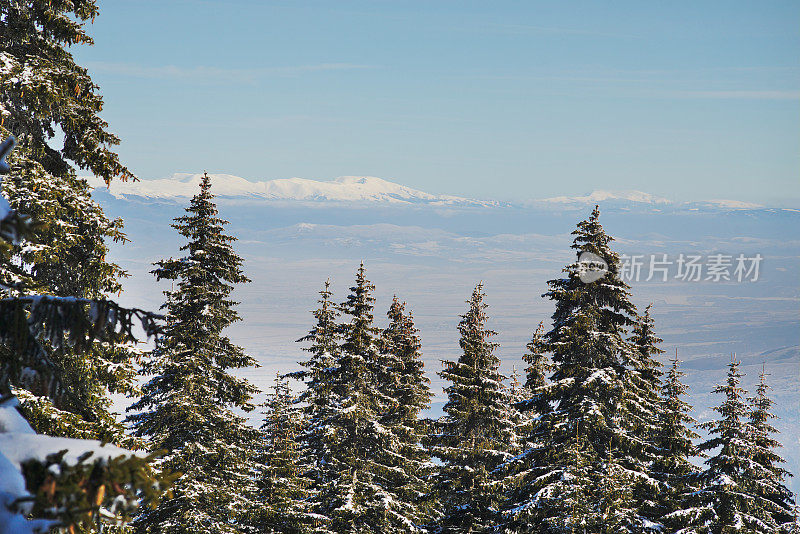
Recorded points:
343,189
369,189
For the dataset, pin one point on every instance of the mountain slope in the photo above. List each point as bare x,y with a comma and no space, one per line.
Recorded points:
343,189
368,189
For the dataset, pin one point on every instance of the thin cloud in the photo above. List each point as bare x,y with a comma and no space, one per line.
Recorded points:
171,72
520,29
321,67
740,95
213,74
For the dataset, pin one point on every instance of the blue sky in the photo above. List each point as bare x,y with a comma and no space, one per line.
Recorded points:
508,100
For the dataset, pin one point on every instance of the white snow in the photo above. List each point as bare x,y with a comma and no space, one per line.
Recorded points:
21,447
18,444
343,189
600,196
181,186
733,204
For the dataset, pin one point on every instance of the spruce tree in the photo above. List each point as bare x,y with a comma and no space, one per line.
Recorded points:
43,88
614,494
724,501
404,384
674,441
186,407
39,486
317,398
573,490
348,438
592,360
639,413
43,91
476,433
521,471
281,486
769,476
535,403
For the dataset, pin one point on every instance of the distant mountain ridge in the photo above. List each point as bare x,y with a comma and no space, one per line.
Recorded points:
369,189
343,189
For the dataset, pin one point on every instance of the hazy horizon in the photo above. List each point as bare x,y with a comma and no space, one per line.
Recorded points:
488,100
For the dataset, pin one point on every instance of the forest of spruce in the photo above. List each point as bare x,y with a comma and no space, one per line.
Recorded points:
594,435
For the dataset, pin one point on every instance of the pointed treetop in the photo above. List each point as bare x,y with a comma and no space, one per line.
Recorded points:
590,236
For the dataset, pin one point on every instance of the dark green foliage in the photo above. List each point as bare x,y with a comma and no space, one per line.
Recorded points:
476,434
724,501
672,467
768,475
281,489
34,331
318,409
403,383
41,87
614,488
516,389
572,489
364,391
185,408
639,413
585,400
44,92
538,369
521,471
346,440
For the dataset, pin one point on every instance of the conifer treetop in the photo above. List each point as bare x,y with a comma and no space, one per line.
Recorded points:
187,406
769,473
476,433
726,500
41,87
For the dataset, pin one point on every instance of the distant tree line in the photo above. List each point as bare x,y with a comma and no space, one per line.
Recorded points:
597,437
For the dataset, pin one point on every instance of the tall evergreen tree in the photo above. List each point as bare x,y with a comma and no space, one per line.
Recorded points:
348,437
39,485
538,370
674,437
281,485
403,382
724,501
476,433
317,397
769,476
639,413
614,494
576,514
592,356
43,88
521,471
42,91
186,406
